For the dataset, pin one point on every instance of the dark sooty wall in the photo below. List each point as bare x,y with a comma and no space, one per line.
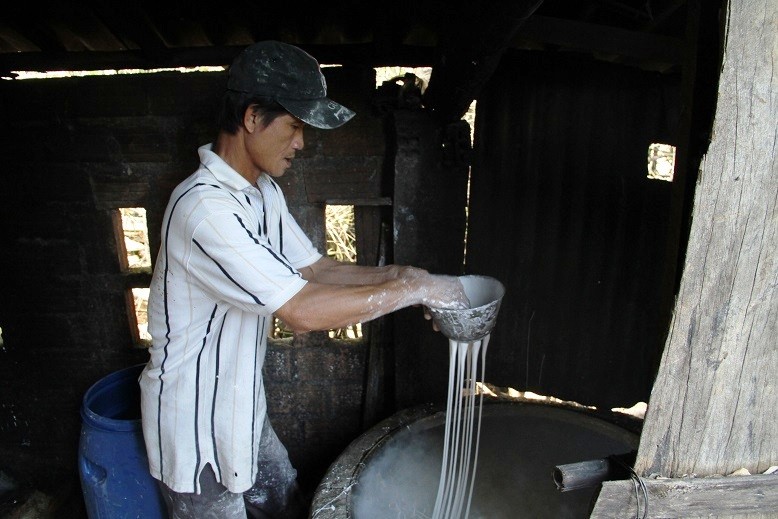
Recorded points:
74,150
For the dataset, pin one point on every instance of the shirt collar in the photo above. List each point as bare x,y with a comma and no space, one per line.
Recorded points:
221,170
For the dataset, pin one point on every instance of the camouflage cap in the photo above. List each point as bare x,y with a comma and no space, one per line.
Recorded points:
292,77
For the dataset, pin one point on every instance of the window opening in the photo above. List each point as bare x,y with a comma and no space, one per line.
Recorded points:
140,303
387,73
342,246
280,330
341,237
132,239
661,162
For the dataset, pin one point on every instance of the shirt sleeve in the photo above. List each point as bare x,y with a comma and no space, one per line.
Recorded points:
237,265
297,247
294,244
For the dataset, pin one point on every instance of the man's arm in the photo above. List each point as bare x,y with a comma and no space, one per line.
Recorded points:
340,294
329,271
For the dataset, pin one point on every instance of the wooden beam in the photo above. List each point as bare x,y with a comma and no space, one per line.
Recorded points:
601,40
663,16
384,200
690,497
130,23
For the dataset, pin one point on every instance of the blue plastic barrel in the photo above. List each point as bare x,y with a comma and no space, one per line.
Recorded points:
112,460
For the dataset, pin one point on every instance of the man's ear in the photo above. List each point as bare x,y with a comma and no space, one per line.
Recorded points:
251,120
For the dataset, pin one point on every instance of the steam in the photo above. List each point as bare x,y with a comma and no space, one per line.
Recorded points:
402,480
520,446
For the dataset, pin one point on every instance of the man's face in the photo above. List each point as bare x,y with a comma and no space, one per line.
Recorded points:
273,147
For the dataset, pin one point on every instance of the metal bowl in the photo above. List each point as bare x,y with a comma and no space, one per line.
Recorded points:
485,295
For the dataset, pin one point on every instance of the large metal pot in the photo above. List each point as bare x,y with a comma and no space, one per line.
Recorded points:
393,469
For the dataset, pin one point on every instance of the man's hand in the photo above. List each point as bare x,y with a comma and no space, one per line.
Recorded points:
446,292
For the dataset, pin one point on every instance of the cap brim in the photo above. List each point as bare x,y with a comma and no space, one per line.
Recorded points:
319,113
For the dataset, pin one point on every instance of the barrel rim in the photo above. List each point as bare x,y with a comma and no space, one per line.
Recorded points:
106,383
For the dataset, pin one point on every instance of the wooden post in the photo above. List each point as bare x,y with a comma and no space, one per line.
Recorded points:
714,406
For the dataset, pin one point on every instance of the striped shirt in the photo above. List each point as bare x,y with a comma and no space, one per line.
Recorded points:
229,258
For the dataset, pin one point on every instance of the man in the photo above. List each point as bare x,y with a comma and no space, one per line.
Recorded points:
231,257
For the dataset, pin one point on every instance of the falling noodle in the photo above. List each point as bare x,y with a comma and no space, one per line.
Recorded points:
460,446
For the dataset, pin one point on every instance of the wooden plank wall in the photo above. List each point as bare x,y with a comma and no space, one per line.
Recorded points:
563,214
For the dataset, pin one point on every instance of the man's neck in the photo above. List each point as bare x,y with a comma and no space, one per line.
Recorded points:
231,149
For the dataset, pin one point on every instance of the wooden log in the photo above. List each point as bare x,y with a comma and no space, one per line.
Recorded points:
735,496
591,473
584,474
